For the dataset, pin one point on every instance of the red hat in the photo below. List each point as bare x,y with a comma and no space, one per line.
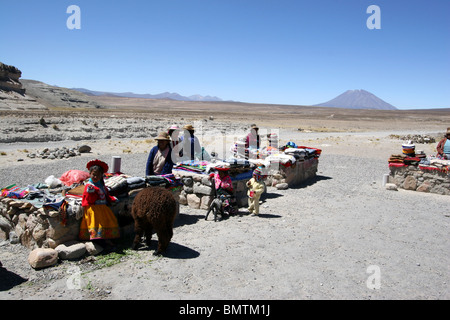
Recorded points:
222,168
97,162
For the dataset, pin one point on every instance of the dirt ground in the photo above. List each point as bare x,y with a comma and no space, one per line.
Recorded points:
340,235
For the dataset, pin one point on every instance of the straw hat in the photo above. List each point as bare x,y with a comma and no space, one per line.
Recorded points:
188,127
448,130
97,162
163,136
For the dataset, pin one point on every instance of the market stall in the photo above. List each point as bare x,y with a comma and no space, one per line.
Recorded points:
414,170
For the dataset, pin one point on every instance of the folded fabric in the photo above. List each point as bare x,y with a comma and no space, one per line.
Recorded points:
135,180
397,165
137,185
53,202
116,182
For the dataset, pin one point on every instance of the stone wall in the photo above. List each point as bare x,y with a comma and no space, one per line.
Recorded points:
412,177
198,190
293,175
33,227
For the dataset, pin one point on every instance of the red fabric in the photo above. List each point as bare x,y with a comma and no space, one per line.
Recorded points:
74,176
392,164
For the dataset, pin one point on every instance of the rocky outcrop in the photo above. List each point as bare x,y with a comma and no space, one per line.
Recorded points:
9,79
12,93
34,95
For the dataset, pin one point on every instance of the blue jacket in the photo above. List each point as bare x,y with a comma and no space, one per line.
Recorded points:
167,166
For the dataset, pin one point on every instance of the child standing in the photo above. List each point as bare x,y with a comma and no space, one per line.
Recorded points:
255,188
98,222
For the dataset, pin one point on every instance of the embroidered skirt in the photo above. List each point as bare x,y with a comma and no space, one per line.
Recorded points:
99,222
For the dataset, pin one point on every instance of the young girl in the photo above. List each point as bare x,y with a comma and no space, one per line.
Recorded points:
224,186
255,189
99,222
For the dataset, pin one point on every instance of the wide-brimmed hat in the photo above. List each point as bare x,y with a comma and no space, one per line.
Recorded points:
448,131
188,127
163,136
98,162
254,126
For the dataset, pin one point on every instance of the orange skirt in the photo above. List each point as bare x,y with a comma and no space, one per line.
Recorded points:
99,222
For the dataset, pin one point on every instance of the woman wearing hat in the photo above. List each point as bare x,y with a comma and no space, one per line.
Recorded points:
443,147
191,145
99,222
174,132
159,160
252,140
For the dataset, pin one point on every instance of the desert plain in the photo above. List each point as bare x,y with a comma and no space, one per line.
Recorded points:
340,235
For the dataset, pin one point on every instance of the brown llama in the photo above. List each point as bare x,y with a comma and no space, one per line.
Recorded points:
154,208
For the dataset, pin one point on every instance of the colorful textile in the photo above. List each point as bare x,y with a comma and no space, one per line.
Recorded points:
224,183
192,166
96,193
99,222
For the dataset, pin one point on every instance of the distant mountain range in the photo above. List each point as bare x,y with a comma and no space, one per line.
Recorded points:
357,99
164,95
351,99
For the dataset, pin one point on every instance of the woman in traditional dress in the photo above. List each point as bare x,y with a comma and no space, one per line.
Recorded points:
99,222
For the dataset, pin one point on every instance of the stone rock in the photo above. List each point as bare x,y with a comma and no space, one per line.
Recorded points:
93,248
193,201
60,233
14,238
202,189
282,186
71,250
9,79
187,181
410,183
84,149
424,187
5,225
207,181
391,186
206,202
42,258
182,198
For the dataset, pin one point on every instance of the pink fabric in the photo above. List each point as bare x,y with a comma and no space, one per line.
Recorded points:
225,184
74,176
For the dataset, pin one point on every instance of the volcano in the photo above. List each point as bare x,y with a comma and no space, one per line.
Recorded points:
357,99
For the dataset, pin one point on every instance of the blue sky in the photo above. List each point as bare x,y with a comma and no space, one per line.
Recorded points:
265,51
